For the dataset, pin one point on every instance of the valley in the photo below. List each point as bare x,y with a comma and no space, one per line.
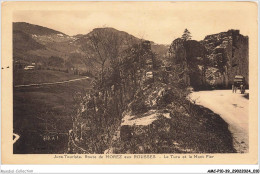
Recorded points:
43,114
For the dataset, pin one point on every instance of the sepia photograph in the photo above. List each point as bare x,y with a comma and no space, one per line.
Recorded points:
137,78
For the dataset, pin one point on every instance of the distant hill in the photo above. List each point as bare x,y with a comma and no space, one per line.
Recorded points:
34,43
160,49
34,29
24,42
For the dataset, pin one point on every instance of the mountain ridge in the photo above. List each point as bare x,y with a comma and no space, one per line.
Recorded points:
34,29
35,43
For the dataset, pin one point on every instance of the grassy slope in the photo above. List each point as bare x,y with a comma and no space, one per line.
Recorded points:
36,106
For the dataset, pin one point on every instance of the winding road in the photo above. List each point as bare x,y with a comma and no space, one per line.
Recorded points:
53,83
233,108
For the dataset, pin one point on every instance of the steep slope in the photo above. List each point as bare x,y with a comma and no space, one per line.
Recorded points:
41,34
34,29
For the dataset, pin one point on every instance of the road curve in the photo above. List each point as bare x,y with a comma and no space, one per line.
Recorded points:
233,108
53,83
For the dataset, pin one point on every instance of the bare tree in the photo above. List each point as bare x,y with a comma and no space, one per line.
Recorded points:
102,47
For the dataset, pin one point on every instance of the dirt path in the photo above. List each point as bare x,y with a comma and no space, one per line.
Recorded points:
41,84
233,108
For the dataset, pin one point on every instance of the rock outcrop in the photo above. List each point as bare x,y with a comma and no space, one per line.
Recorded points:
228,52
191,55
166,127
214,61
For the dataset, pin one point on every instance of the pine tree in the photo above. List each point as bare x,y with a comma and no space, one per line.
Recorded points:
186,35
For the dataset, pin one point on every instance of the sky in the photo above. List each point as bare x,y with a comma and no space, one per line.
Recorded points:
159,22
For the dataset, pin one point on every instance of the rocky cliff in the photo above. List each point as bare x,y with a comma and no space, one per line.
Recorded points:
214,61
228,52
191,56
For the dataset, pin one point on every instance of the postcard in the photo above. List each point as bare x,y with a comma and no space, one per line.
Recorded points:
129,83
